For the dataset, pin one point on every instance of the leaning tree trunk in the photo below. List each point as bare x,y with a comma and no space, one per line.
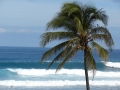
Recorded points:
86,70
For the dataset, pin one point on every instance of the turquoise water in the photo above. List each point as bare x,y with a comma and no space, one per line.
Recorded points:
20,69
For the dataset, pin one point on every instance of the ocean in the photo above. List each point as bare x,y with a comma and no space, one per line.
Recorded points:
20,69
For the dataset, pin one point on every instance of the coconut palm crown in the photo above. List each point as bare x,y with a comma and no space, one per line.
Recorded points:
76,24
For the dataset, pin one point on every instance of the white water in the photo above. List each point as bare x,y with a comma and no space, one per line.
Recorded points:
57,83
64,77
79,72
113,64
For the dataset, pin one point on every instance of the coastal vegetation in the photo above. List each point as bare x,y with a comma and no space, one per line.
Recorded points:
78,25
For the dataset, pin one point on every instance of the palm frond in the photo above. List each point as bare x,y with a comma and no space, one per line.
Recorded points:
59,22
58,57
67,49
71,53
91,64
74,11
87,17
50,36
68,6
72,42
106,38
102,16
53,50
101,33
65,52
79,26
99,29
99,15
103,53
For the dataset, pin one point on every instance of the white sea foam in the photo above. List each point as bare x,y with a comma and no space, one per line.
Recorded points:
79,72
113,64
41,72
57,83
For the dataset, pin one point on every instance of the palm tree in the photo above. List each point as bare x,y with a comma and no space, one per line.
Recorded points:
79,32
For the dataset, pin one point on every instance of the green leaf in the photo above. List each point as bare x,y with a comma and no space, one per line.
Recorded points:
101,33
50,36
103,53
53,50
71,53
91,64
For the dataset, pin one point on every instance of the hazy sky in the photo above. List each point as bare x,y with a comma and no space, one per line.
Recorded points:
23,21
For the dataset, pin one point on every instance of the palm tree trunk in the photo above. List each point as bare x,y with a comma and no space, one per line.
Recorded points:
86,70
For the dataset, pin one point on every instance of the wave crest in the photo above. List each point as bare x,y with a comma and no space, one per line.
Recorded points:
79,72
56,83
113,64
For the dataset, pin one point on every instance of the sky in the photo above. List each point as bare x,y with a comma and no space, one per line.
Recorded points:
23,21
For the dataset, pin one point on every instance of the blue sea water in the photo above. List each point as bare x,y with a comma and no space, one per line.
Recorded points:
20,69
